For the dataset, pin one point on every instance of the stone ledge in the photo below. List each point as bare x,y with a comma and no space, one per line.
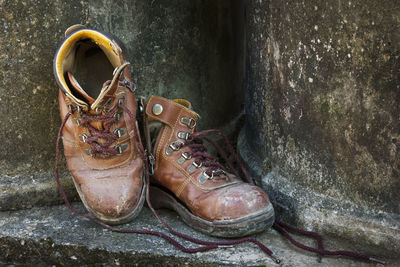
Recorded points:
34,189
378,231
48,236
327,215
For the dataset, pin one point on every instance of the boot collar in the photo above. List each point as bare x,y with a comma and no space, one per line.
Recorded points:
109,88
105,42
171,112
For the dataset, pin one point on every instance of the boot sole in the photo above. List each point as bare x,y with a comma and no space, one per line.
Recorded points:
110,220
247,225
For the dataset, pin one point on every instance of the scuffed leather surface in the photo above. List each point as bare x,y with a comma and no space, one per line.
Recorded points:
109,187
220,198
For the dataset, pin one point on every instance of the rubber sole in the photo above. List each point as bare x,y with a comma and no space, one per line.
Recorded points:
250,224
120,220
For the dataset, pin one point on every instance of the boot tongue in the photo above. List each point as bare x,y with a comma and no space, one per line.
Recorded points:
109,88
79,90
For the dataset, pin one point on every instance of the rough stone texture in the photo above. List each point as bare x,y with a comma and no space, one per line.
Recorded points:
54,236
186,49
322,114
27,190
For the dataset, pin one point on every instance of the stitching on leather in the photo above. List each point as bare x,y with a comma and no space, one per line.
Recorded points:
161,147
194,182
169,140
176,122
182,187
70,141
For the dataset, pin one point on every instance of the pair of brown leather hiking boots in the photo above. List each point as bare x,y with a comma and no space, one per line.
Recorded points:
104,151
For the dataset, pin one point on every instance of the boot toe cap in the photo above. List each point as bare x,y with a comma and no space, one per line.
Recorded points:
112,198
239,201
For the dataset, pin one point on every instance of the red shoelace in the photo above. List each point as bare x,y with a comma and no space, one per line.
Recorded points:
101,149
281,227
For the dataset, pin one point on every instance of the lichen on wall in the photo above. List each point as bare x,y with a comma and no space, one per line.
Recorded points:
335,98
322,131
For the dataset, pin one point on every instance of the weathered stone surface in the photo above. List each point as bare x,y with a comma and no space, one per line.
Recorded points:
178,49
55,236
182,49
323,105
27,190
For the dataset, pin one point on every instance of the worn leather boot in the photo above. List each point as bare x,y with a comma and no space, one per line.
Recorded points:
100,140
190,181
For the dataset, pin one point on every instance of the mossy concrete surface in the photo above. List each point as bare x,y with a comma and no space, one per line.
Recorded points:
54,236
322,114
178,49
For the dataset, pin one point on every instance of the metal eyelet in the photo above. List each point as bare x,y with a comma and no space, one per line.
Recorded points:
168,151
77,121
209,176
181,160
118,115
197,165
83,137
129,85
184,135
193,167
121,101
107,105
174,146
189,122
98,109
80,110
71,108
184,156
121,148
204,177
120,132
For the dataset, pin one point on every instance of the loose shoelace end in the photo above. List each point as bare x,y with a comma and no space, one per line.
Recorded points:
276,259
378,261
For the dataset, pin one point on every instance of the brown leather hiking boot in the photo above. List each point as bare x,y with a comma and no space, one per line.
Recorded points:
190,181
100,140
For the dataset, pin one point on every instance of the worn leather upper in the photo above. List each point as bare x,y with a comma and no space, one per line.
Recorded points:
223,197
110,187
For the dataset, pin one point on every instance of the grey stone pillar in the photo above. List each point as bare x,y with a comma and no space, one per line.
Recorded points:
322,127
178,49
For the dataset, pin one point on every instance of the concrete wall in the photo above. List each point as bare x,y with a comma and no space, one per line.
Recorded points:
322,106
323,114
185,49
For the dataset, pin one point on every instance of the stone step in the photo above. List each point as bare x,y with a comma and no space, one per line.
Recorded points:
54,236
